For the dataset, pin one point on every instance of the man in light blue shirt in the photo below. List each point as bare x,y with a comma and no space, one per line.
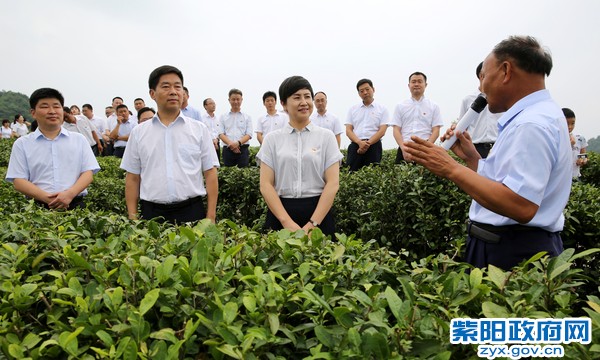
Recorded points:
520,191
235,131
51,165
120,133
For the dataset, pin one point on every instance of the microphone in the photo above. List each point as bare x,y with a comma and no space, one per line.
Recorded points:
468,118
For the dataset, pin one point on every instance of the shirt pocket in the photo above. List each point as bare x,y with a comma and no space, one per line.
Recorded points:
190,156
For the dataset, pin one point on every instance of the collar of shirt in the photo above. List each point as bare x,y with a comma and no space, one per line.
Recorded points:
37,133
418,101
180,117
525,102
289,129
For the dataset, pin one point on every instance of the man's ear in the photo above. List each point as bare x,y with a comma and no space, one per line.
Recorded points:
508,68
151,92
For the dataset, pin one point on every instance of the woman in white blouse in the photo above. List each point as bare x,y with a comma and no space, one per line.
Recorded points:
6,131
20,126
299,166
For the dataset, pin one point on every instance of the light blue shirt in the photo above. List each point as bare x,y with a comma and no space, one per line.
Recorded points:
192,113
235,125
52,165
125,129
170,159
532,157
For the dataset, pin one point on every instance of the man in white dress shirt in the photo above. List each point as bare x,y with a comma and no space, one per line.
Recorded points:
273,120
235,130
188,110
484,131
167,158
99,123
325,119
416,116
366,124
212,122
81,124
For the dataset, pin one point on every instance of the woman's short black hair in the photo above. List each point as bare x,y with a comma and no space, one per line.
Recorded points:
292,84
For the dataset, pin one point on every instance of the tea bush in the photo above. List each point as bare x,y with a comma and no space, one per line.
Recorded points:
84,285
590,173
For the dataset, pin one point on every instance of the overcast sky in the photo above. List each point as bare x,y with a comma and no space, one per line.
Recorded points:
94,50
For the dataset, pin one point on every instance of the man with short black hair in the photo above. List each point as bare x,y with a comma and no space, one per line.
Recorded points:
520,190
324,118
187,109
366,124
235,131
416,116
273,120
167,158
138,104
81,124
212,123
51,165
484,130
120,133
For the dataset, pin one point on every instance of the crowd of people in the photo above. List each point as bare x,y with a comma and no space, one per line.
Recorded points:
520,154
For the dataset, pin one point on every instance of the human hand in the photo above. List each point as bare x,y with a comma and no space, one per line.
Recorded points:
60,200
433,157
290,225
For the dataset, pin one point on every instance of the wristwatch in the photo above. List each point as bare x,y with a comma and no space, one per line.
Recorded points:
314,223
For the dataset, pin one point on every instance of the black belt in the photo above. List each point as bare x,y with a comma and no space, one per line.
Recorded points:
77,200
486,144
174,206
492,234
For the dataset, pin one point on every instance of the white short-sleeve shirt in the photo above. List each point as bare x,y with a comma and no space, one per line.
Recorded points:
327,121
268,123
485,128
299,159
417,117
170,159
367,119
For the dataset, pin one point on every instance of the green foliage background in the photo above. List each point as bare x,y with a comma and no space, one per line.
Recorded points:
91,284
594,144
13,103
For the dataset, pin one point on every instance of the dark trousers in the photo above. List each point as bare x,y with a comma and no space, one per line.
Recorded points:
372,156
300,210
232,159
483,149
399,156
95,149
77,202
510,247
109,149
119,151
185,211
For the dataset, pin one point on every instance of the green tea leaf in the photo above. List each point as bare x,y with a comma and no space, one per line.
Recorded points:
273,322
498,276
475,277
230,312
491,310
148,301
394,303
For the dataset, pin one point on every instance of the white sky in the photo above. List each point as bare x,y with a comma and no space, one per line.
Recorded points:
94,50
